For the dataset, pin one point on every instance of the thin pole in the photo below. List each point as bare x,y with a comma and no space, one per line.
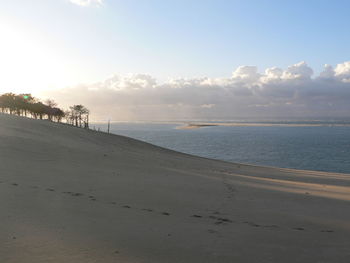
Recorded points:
109,125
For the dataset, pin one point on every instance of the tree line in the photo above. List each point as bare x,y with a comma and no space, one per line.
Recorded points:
28,106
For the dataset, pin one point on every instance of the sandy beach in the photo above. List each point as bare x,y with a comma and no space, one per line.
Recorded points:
73,195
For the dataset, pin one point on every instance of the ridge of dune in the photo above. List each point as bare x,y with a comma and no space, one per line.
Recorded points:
74,195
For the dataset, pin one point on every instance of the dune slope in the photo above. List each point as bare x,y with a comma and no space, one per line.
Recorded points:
74,195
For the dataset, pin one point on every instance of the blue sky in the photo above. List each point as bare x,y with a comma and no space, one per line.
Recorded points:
50,44
185,38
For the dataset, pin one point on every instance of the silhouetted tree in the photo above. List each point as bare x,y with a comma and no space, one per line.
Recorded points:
2,103
27,105
8,102
80,114
57,114
69,117
24,102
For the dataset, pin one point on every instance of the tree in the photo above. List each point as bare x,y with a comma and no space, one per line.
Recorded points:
57,114
69,117
25,104
38,109
51,104
80,114
8,102
2,103
25,100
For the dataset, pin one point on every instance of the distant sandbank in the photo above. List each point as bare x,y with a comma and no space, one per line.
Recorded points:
257,124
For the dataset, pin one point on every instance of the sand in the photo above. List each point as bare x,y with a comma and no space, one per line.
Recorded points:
75,195
191,126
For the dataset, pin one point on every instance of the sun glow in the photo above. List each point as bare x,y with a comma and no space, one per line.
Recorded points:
28,63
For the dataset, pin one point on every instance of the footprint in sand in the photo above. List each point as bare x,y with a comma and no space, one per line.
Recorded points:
221,219
252,224
165,214
224,220
299,228
126,206
92,198
15,184
197,216
77,194
50,189
271,226
257,225
72,194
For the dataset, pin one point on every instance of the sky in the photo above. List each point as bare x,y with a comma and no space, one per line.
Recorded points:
184,59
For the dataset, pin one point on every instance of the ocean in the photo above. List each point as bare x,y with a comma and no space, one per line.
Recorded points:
322,148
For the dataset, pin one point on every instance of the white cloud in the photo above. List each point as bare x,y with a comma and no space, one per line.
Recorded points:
275,93
246,74
87,2
342,71
273,73
298,71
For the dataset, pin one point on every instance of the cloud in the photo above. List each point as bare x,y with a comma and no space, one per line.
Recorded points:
246,74
87,2
342,71
298,71
289,93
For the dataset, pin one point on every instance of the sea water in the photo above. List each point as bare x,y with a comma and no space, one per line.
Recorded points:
323,148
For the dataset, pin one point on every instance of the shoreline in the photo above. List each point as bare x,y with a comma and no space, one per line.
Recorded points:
257,124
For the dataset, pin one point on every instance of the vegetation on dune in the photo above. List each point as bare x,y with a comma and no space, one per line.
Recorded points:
28,106
78,115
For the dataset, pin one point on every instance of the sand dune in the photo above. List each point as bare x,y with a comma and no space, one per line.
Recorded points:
74,195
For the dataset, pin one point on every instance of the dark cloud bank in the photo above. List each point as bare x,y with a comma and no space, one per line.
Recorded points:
277,93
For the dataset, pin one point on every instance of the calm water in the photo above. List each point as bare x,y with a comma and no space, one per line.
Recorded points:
311,148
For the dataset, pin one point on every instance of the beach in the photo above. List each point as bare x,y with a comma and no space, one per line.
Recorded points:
75,195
